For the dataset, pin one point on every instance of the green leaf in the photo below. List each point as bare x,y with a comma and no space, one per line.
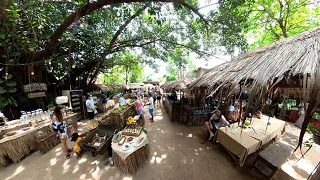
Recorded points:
2,90
12,89
5,102
11,83
1,81
9,76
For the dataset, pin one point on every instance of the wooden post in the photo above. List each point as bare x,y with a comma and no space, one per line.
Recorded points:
240,113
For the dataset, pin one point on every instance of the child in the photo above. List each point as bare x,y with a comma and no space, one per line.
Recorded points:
76,139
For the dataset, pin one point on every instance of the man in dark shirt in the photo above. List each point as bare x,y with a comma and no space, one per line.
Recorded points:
104,102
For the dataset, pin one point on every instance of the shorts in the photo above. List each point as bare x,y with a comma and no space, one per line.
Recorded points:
91,115
141,112
151,111
158,98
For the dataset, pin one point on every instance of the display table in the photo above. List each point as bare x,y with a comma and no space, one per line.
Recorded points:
14,148
129,161
110,105
249,141
120,118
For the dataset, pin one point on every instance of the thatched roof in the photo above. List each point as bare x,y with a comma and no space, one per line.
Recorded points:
270,64
177,85
106,88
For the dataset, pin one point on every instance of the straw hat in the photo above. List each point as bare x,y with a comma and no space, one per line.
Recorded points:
92,124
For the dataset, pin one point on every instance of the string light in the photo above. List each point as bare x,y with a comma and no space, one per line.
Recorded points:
154,49
73,66
32,73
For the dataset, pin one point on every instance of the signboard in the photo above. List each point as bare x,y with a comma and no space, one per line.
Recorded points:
35,87
36,95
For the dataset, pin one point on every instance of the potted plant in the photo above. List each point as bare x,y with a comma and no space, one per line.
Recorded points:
315,131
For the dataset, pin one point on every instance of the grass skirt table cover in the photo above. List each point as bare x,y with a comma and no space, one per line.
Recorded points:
129,161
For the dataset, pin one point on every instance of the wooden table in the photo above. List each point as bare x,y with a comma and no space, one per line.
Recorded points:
120,118
16,147
249,141
129,161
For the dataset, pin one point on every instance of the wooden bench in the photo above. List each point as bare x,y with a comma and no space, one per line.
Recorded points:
273,157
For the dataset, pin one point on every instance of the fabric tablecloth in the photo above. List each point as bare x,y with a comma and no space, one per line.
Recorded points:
251,139
124,154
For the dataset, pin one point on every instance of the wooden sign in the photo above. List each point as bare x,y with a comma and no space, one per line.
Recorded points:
36,95
35,87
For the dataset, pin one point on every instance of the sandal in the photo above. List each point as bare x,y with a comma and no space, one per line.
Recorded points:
68,156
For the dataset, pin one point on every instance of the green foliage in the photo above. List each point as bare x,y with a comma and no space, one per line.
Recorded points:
179,65
7,91
313,129
262,21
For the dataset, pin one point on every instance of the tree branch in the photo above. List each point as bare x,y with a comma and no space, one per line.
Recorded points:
83,11
123,26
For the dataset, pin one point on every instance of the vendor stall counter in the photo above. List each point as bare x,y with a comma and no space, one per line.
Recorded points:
129,156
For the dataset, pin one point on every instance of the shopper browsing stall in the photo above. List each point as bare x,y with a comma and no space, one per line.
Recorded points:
59,126
90,107
140,111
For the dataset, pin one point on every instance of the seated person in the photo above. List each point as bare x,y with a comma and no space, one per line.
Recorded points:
76,139
233,115
215,122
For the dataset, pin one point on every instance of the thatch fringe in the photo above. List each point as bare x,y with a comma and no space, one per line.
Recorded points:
133,162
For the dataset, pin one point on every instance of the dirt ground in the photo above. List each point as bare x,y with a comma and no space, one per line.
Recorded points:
176,153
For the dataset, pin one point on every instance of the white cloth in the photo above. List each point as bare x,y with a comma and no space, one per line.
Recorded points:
124,154
90,105
122,101
217,122
151,106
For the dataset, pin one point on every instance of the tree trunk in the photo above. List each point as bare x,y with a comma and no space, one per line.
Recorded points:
314,101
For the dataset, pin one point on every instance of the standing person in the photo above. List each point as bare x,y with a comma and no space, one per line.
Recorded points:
215,122
151,106
104,102
159,98
153,95
59,126
140,110
90,107
122,101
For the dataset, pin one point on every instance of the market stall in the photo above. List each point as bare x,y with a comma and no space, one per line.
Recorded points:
119,115
242,142
130,149
195,116
22,137
173,108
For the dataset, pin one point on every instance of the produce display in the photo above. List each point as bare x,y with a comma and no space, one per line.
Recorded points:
97,141
126,146
139,141
117,137
130,140
122,140
132,131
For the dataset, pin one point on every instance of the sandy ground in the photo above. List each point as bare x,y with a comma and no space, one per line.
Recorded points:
176,154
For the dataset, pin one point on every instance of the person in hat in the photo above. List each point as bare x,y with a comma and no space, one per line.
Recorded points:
233,114
90,107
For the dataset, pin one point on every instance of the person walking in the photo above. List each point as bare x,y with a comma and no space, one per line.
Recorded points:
59,126
151,107
90,107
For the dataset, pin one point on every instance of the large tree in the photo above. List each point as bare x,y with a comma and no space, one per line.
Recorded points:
57,34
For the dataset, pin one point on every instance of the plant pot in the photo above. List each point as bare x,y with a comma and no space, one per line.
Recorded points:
316,139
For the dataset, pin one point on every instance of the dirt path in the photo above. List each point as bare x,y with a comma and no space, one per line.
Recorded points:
176,154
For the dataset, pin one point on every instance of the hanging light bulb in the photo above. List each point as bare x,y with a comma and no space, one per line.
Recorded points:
7,74
154,49
32,73
73,66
